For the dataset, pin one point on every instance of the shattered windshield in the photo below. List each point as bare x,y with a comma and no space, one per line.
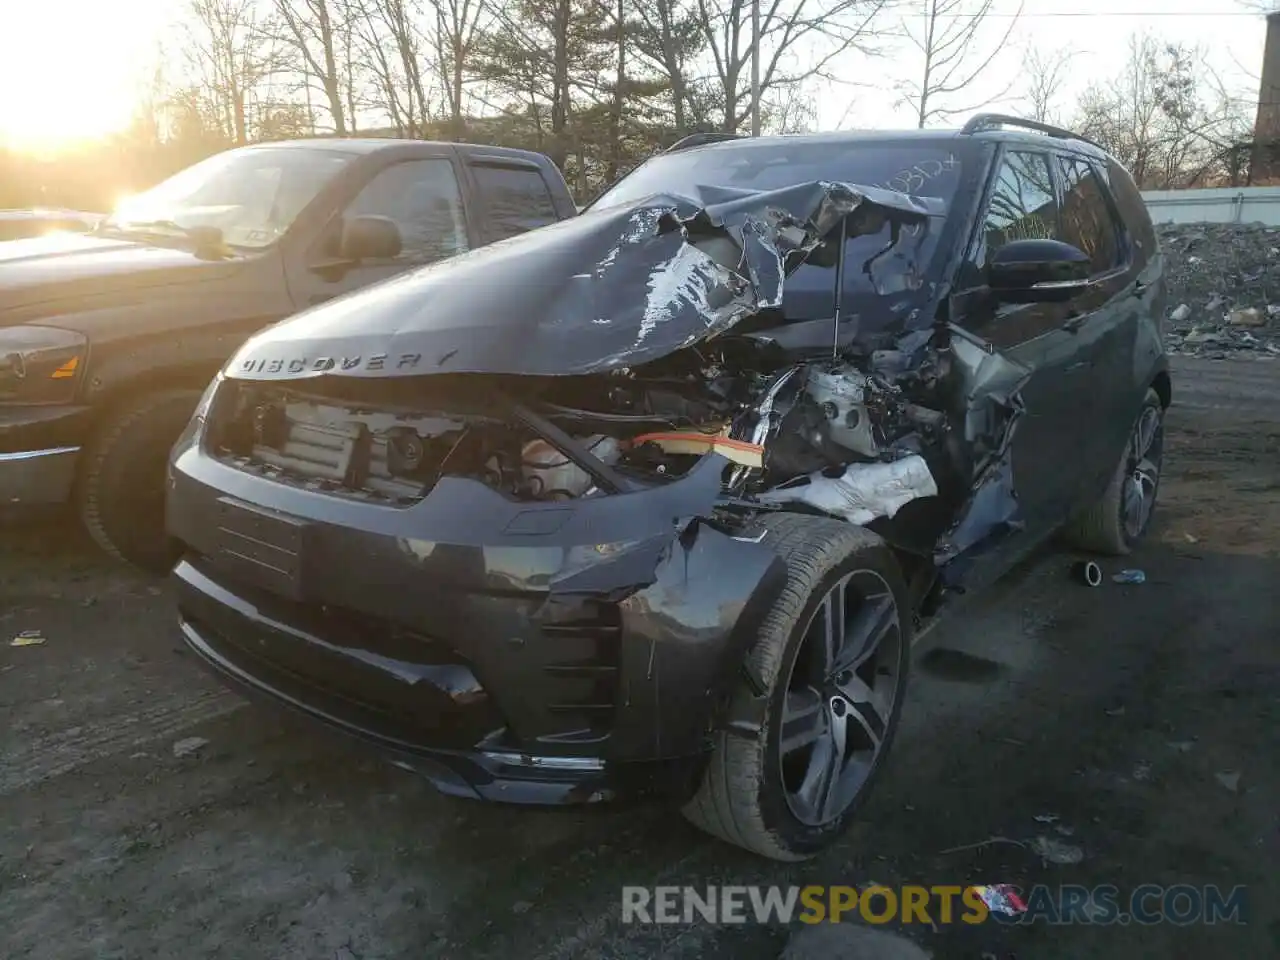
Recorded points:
921,169
250,196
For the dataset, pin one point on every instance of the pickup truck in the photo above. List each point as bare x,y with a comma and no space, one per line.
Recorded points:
108,338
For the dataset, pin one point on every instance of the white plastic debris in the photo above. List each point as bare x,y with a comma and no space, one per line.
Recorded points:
1180,313
189,746
27,638
1055,851
1246,317
1229,779
862,491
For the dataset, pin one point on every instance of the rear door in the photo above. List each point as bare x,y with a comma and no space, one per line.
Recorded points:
1104,318
421,195
1022,203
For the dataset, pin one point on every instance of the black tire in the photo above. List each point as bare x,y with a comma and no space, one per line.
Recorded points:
744,796
1101,528
121,487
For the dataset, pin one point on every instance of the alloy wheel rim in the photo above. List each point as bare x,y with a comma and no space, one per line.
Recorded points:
841,693
1142,472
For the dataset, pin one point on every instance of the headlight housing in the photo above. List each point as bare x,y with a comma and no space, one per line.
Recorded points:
40,364
194,429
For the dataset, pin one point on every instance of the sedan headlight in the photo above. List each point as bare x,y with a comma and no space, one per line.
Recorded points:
40,364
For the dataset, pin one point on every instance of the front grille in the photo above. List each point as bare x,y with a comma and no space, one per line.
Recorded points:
344,450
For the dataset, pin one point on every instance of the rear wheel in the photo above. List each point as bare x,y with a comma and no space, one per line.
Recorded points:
1119,519
121,488
831,659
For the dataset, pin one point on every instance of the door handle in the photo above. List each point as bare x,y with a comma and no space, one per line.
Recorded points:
1139,288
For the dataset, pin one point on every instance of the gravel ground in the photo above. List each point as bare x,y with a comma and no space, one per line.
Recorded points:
1123,712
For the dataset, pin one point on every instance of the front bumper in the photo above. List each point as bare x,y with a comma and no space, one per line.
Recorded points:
39,450
37,478
526,666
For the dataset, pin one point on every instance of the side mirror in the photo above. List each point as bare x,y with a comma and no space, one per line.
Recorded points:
1037,271
370,238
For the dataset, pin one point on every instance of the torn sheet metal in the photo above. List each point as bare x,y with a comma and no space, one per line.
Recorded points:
611,288
993,407
990,513
859,493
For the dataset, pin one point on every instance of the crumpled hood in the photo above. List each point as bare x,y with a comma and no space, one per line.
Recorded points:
607,289
61,266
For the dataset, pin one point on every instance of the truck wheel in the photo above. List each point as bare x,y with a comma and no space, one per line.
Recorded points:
122,481
831,663
1115,523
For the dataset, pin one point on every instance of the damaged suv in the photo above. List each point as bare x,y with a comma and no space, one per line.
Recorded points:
659,498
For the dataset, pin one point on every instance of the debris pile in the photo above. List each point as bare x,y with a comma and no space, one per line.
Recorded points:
1224,289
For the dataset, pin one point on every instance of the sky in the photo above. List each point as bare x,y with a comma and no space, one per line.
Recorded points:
71,69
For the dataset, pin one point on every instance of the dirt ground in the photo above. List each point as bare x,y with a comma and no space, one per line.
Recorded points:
1123,711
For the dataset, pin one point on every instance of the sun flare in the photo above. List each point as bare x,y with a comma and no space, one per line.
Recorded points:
69,70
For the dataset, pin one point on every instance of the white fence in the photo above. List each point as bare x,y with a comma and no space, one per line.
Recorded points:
1216,205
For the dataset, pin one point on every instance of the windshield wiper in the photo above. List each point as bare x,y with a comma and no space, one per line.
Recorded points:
207,240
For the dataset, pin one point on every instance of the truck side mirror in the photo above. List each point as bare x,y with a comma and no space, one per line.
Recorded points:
370,238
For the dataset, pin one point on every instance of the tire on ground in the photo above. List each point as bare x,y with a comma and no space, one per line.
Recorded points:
741,797
121,487
1099,527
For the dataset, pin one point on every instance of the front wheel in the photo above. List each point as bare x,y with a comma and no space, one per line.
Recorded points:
121,488
831,661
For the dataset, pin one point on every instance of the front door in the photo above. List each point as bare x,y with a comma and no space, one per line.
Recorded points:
421,197
1045,452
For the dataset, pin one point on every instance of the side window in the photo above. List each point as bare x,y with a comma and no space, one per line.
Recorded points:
1087,220
423,199
1022,205
517,199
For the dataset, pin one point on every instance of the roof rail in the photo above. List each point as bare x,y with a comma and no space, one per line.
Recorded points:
699,139
993,121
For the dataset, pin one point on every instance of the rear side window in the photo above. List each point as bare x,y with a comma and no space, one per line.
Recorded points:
517,199
1133,212
1022,206
1087,218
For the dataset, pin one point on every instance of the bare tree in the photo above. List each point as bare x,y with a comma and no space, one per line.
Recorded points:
459,24
231,56
1044,74
392,43
1159,118
314,28
946,32
824,29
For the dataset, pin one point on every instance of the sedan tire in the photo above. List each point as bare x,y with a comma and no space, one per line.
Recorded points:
827,676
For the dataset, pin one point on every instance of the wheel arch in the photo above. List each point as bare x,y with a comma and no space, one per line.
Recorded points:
1162,384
